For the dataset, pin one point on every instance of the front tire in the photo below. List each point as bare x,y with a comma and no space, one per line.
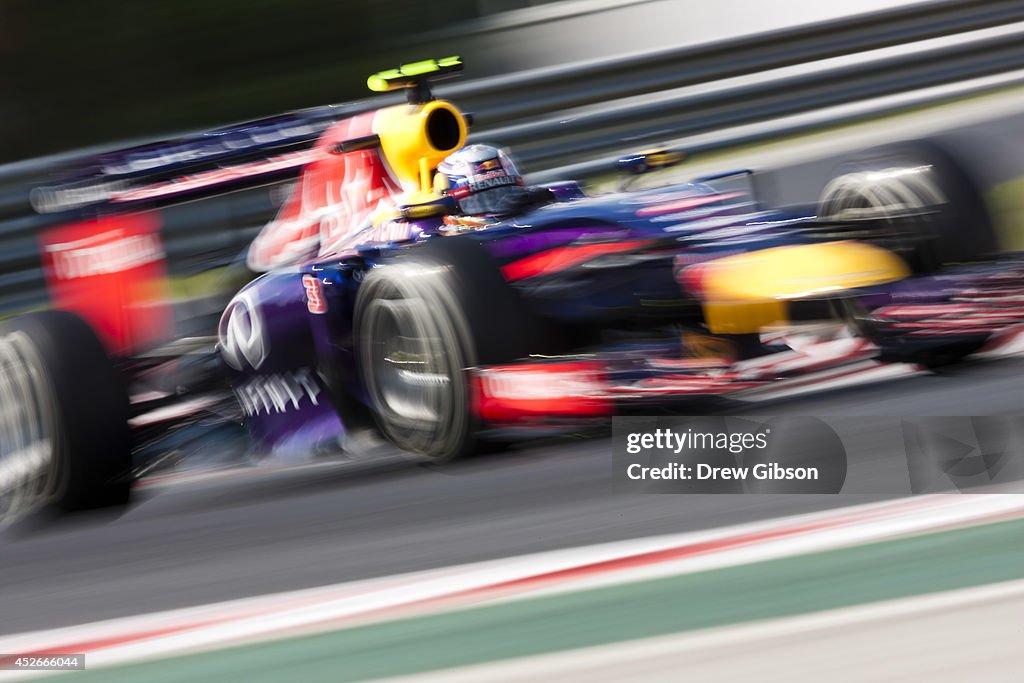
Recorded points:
932,210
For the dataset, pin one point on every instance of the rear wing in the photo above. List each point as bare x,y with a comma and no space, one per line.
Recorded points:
240,156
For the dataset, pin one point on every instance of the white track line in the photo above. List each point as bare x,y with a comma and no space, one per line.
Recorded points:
331,607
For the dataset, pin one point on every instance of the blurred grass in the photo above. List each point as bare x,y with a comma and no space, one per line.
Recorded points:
180,287
729,156
206,283
1006,201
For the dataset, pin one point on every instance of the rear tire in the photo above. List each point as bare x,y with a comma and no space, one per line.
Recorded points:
421,322
64,435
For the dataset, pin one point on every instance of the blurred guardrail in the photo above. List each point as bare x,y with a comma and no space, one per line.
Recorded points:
568,120
543,91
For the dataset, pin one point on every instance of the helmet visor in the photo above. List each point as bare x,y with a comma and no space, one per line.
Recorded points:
495,200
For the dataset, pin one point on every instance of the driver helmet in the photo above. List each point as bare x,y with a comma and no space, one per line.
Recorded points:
481,179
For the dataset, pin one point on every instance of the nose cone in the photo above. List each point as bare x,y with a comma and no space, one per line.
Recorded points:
801,271
745,292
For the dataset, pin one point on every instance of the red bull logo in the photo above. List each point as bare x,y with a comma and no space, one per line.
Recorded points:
334,197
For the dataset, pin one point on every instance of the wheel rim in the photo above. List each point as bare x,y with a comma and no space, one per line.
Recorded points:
28,473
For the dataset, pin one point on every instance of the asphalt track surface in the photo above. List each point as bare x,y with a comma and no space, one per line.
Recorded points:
200,542
197,542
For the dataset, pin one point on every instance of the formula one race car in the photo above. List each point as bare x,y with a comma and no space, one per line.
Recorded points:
378,311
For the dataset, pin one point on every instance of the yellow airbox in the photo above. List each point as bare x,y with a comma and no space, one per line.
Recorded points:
415,138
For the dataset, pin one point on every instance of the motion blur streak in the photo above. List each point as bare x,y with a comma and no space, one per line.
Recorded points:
202,474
